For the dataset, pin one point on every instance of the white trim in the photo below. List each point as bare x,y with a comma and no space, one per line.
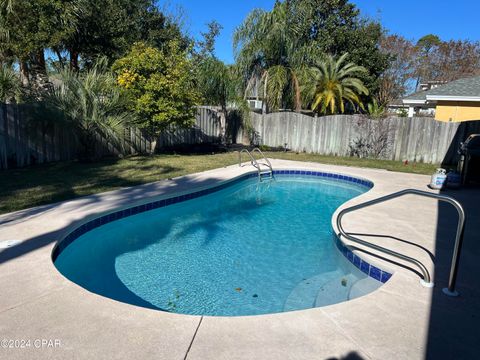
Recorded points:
411,111
419,102
453,98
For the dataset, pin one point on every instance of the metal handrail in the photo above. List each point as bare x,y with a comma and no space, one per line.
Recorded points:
254,162
450,290
264,158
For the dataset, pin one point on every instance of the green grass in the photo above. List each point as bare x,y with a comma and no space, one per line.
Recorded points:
399,166
43,184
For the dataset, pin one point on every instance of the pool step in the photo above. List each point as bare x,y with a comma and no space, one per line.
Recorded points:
335,291
303,296
363,287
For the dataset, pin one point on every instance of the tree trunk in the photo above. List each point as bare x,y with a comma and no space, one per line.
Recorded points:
264,102
88,141
39,73
223,125
39,61
74,60
153,145
298,94
60,57
24,73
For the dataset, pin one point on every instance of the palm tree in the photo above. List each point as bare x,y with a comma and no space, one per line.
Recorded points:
335,83
93,106
219,85
267,51
10,87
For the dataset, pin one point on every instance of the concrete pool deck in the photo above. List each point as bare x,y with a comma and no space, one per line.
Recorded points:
401,320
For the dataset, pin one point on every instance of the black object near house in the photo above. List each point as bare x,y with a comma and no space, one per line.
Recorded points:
470,159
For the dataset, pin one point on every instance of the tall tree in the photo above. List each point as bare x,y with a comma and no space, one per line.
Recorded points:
279,46
162,85
336,27
28,28
110,27
207,44
425,46
84,29
396,80
453,60
268,52
217,82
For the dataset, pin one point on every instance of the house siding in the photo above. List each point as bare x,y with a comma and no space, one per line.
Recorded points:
457,111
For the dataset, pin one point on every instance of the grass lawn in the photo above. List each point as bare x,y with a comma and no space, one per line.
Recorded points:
43,184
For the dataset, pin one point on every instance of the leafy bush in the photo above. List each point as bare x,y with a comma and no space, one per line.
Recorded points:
10,87
375,110
374,140
161,84
402,113
93,106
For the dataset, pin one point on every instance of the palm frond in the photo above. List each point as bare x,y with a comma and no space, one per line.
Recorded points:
93,105
337,82
10,86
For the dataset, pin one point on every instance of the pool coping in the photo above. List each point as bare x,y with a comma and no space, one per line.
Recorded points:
37,301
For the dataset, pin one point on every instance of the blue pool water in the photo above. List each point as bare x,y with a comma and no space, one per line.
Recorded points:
247,249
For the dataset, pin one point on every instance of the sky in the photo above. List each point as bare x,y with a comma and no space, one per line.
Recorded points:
410,18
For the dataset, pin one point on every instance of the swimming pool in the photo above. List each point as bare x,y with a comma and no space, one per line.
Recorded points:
239,248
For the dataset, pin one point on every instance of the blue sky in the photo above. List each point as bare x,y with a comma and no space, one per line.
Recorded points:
410,18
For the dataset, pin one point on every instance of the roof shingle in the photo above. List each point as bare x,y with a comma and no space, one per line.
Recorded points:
468,87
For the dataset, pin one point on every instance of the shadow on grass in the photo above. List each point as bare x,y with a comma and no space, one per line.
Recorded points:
65,181
122,198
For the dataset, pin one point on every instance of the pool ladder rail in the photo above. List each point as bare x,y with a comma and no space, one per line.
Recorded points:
267,170
426,281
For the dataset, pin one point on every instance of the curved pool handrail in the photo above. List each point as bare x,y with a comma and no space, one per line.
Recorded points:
254,162
264,157
450,290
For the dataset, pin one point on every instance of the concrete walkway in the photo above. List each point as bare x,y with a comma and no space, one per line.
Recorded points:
45,316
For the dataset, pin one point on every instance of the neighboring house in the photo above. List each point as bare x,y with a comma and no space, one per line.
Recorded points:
429,85
417,104
253,94
458,100
397,107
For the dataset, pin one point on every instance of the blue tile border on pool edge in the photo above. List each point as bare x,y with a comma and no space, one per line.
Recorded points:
368,269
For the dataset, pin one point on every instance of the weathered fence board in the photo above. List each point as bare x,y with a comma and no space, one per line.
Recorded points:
26,140
420,139
415,139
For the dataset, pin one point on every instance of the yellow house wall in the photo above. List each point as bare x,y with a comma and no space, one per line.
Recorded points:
457,111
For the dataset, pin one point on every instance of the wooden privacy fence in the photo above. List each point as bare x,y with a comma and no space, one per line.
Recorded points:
420,139
29,134
207,129
24,141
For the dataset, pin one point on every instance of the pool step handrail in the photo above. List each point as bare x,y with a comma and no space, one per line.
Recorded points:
254,162
426,281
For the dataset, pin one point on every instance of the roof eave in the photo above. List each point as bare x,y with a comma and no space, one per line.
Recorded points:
453,98
414,102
